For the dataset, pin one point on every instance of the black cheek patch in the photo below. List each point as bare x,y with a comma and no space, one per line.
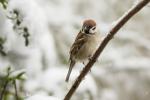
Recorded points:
94,28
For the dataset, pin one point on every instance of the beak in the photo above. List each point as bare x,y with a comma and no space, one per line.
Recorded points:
86,29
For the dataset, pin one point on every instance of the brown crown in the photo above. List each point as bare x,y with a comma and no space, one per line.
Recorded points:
89,22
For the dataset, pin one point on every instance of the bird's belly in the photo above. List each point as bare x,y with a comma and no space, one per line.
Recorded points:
86,51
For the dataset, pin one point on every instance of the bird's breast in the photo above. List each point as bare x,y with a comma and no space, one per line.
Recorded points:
88,48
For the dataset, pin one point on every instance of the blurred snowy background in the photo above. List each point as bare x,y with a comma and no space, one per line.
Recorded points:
121,73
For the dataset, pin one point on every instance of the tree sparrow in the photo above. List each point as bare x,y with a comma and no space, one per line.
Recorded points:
85,44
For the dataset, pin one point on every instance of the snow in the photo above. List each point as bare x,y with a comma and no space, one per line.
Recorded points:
42,97
53,81
53,25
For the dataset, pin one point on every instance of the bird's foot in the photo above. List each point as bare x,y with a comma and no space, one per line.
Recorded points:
89,58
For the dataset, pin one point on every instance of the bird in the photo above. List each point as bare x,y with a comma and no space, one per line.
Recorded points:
85,44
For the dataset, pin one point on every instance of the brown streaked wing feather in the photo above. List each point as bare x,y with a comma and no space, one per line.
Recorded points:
79,41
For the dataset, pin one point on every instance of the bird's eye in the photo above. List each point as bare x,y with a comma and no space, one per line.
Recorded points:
88,27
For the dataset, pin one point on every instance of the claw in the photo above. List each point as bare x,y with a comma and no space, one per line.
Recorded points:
89,58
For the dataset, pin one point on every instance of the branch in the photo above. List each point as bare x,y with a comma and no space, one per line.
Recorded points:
5,84
16,92
3,90
110,35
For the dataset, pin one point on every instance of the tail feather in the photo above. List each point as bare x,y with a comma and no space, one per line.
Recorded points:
72,63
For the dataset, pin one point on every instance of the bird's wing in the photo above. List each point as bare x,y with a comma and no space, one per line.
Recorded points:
79,41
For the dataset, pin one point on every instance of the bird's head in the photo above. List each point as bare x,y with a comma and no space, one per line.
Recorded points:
89,26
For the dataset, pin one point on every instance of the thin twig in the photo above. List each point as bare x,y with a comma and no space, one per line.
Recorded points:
4,89
15,86
110,35
5,86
